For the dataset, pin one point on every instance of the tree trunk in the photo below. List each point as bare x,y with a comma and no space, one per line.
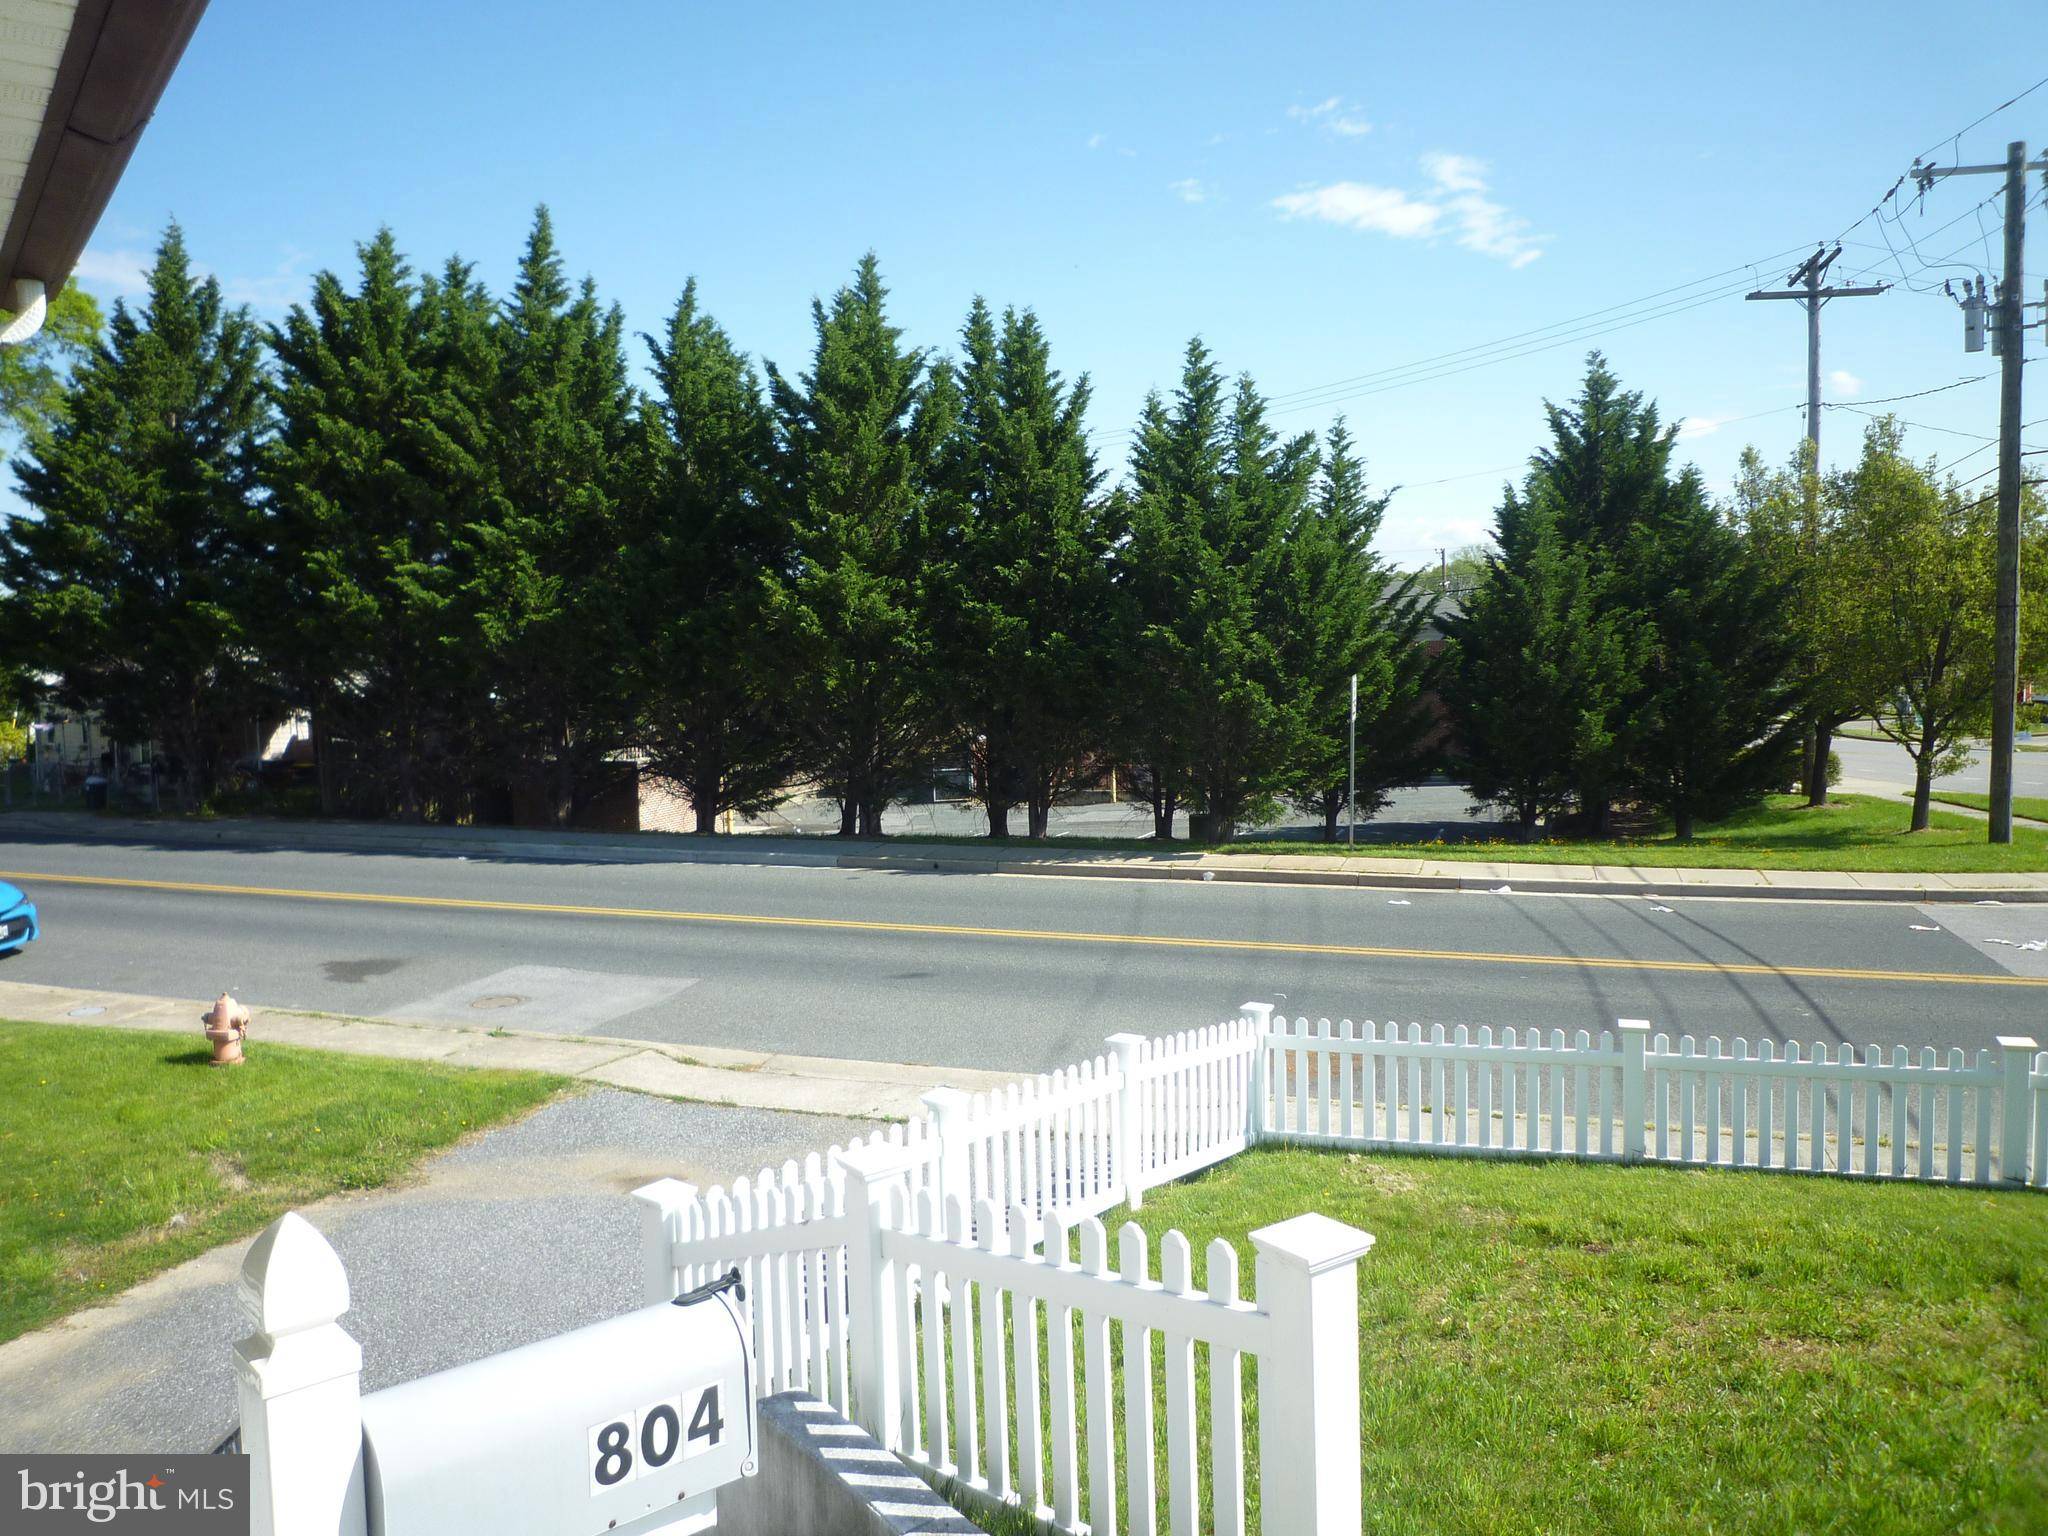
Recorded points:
1038,816
1162,810
1525,822
707,810
1807,736
323,763
1332,804
1681,821
1817,783
849,816
870,819
998,819
1923,788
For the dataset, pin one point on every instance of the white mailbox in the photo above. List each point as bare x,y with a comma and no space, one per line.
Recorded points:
627,1426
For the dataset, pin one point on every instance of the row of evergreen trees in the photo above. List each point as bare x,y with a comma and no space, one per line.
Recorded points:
453,527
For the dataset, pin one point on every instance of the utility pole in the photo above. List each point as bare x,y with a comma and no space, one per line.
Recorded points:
1810,293
1351,784
2010,320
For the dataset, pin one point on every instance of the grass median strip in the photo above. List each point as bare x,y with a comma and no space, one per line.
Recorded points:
123,1153
2033,807
1549,1347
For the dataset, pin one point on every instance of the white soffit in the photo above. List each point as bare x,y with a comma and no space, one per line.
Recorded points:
32,38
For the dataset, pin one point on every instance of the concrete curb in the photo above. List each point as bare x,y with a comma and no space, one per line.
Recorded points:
817,1085
1661,882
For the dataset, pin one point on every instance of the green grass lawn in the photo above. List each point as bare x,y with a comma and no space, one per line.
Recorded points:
2033,807
1852,832
107,1137
1562,1348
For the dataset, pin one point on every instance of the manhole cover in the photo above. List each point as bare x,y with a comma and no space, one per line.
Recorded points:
497,1000
88,1011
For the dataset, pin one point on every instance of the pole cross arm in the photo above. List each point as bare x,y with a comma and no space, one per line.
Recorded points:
1824,293
1927,173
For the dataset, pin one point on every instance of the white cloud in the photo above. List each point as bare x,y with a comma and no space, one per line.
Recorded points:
1322,108
1694,427
1359,205
1844,385
1097,140
1454,173
1334,116
1455,204
116,271
1189,189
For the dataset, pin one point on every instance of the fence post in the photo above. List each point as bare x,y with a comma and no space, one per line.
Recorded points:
661,1206
1131,1139
298,1379
1634,1035
949,1107
872,1170
1261,1016
2015,1106
1307,1276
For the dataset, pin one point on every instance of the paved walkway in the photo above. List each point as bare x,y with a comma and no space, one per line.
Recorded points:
521,1233
983,858
816,1085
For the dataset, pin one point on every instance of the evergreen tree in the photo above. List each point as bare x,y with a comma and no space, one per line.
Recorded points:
1347,616
377,464
1021,588
132,582
1601,484
857,440
1205,566
546,561
1717,723
1536,669
716,720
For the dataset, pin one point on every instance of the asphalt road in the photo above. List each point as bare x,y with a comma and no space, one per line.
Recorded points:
1012,972
1890,763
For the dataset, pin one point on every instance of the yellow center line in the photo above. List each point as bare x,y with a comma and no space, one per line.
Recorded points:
1041,935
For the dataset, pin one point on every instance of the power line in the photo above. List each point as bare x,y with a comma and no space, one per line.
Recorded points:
1977,378
1979,122
1430,371
1508,348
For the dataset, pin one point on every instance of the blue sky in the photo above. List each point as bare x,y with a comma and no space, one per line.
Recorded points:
1322,191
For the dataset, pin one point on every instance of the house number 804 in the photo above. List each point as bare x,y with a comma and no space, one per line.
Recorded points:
651,1438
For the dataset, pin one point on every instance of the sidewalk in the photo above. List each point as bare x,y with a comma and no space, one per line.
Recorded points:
815,1085
21,827
517,1234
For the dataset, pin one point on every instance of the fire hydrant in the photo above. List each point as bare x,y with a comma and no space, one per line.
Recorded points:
227,1026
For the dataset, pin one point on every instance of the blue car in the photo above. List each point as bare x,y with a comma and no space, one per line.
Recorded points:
17,918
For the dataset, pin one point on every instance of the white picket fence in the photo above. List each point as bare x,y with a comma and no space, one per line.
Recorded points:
953,1342
885,1277
1946,1116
